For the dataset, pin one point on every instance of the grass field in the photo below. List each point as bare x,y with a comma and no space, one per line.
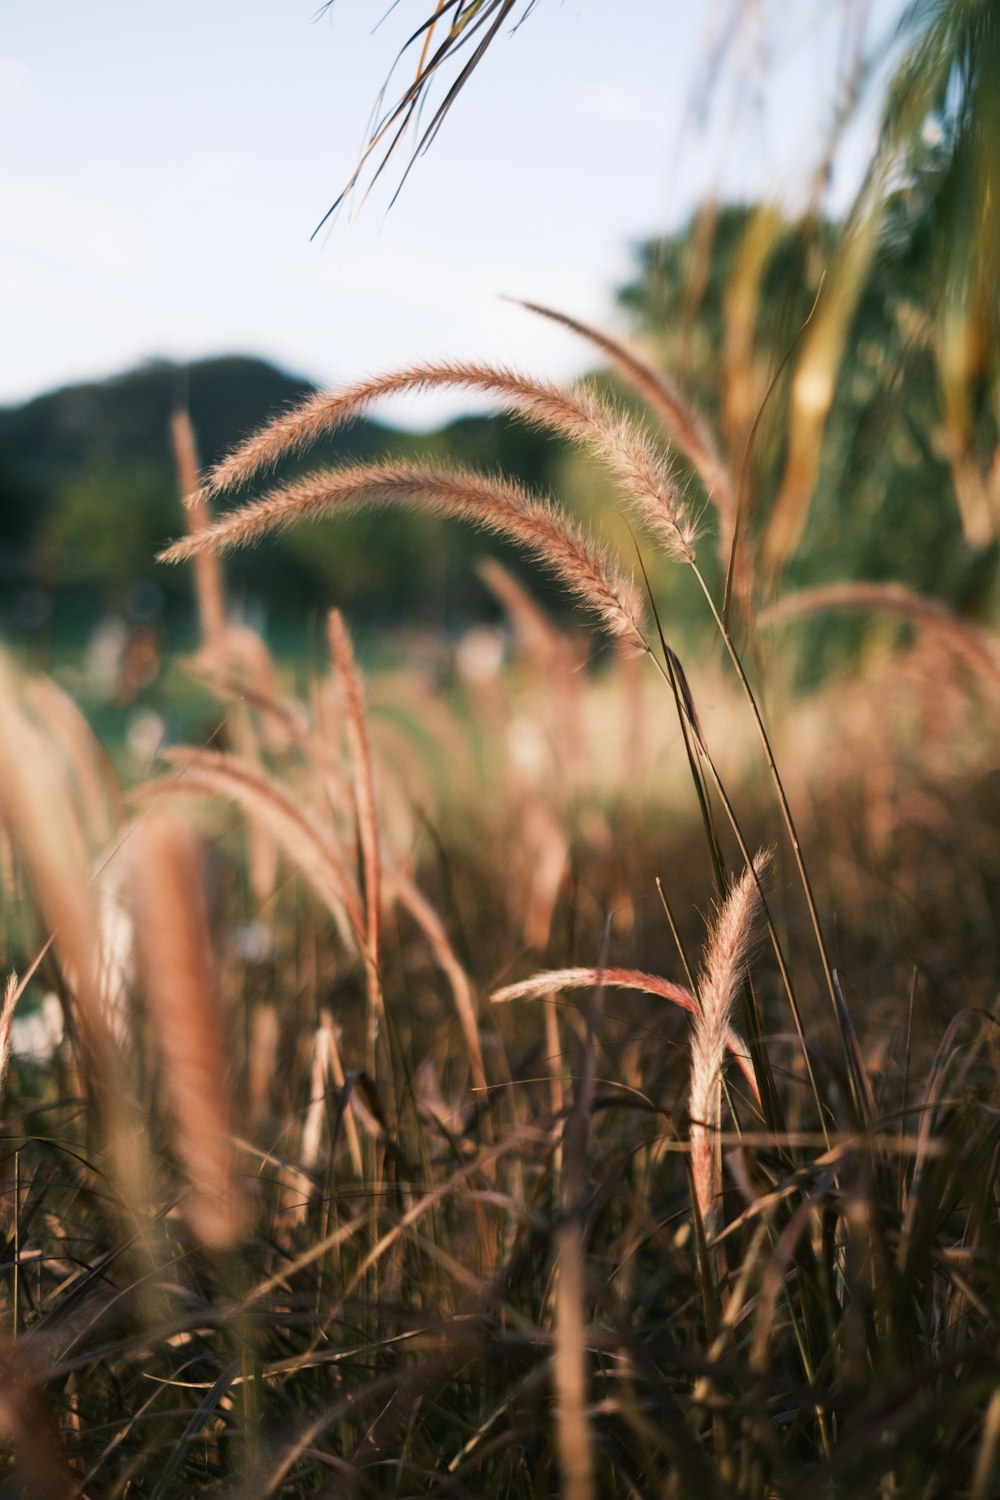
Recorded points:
545,1068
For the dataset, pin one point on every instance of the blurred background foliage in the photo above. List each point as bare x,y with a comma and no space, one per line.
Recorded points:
89,495
849,372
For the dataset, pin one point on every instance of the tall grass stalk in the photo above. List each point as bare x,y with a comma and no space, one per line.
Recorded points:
175,948
723,974
506,1266
342,654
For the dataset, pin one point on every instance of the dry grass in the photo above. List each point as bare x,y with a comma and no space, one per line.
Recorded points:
686,426
968,642
308,1219
581,417
493,505
366,816
725,963
175,949
540,986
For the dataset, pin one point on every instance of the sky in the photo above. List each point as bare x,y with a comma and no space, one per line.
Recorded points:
163,167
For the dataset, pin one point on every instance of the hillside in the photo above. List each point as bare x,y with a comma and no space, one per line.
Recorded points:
88,494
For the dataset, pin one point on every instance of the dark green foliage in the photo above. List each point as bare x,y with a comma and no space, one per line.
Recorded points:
884,505
90,495
54,437
105,522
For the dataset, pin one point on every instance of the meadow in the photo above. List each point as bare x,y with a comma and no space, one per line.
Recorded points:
562,1062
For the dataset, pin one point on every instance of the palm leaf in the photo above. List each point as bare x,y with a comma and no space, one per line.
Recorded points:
470,19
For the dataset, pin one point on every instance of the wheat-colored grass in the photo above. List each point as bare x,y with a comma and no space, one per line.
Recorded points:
412,899
550,981
262,1059
30,1429
208,585
297,832
179,985
557,655
964,638
40,813
366,812
11,995
723,971
535,632
327,1067
495,505
685,424
580,416
571,1356
96,793
283,724
569,1375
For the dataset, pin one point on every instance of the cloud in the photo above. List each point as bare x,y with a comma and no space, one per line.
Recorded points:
17,87
91,235
60,329
619,105
453,287
403,304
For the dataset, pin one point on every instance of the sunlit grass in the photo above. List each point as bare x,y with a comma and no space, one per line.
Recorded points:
295,1208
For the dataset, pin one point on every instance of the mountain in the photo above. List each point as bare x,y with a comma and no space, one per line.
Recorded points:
127,419
88,494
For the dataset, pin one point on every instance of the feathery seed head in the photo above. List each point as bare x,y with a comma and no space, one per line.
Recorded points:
492,504
583,417
723,969
175,949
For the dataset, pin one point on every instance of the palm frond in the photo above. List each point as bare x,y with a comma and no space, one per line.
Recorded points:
473,27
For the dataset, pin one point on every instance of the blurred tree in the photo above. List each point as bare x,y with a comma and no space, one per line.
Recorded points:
940,135
720,305
106,524
88,496
944,109
934,184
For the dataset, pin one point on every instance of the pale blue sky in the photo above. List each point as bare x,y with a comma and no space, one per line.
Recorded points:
162,168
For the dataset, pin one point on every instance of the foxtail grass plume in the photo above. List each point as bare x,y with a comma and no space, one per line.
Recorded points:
180,989
492,504
581,416
39,812
97,796
687,427
551,980
209,590
723,971
306,844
